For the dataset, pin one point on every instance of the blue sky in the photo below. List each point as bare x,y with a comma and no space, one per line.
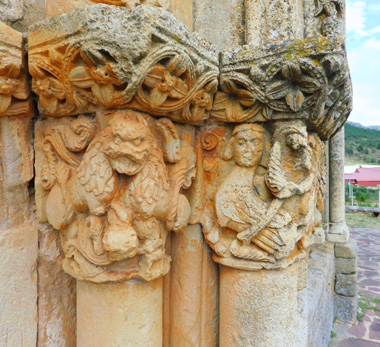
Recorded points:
363,48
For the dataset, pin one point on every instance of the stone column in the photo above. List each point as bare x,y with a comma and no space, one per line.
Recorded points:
338,231
193,308
257,308
119,314
113,182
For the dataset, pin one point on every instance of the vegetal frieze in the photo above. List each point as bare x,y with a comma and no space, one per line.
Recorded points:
149,61
113,188
306,80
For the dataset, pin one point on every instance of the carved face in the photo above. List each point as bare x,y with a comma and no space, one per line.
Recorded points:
248,148
128,148
296,141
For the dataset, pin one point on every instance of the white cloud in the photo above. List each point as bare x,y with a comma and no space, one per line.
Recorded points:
372,43
374,30
355,17
364,63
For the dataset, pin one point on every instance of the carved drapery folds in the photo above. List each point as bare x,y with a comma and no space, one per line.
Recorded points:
13,85
116,183
268,198
103,57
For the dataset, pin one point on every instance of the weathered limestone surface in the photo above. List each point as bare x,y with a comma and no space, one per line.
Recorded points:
193,292
18,290
347,250
245,299
16,153
283,21
55,8
220,22
57,294
346,297
20,14
320,294
120,314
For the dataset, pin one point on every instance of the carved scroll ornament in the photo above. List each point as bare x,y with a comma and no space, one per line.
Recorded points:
115,193
146,60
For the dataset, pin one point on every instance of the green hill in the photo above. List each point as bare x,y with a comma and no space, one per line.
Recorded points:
362,145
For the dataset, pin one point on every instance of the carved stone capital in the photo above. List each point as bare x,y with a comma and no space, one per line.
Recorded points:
113,188
267,195
14,89
307,80
104,57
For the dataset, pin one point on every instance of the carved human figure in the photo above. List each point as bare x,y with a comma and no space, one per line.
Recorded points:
260,224
290,163
118,205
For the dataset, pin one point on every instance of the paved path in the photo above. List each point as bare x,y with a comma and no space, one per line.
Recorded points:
367,332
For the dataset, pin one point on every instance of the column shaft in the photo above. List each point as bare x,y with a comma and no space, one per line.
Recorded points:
258,308
119,314
338,229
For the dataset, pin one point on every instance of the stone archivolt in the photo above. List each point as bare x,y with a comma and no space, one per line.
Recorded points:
116,184
13,85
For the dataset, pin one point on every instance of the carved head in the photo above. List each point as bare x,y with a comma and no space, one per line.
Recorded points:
246,145
294,134
129,142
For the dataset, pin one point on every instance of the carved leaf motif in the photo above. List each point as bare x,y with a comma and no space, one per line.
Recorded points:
104,93
155,76
294,99
179,89
157,97
80,77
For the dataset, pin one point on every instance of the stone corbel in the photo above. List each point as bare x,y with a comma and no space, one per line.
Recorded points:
146,61
14,89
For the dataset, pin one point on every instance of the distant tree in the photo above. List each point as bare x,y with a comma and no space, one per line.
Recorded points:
350,151
360,148
378,146
368,159
366,151
373,160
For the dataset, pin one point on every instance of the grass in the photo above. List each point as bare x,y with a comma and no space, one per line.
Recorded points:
362,220
333,334
366,302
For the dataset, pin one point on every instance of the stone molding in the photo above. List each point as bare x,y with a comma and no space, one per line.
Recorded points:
117,180
14,89
146,61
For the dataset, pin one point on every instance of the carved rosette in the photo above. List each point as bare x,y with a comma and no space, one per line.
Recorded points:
104,57
13,85
306,80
